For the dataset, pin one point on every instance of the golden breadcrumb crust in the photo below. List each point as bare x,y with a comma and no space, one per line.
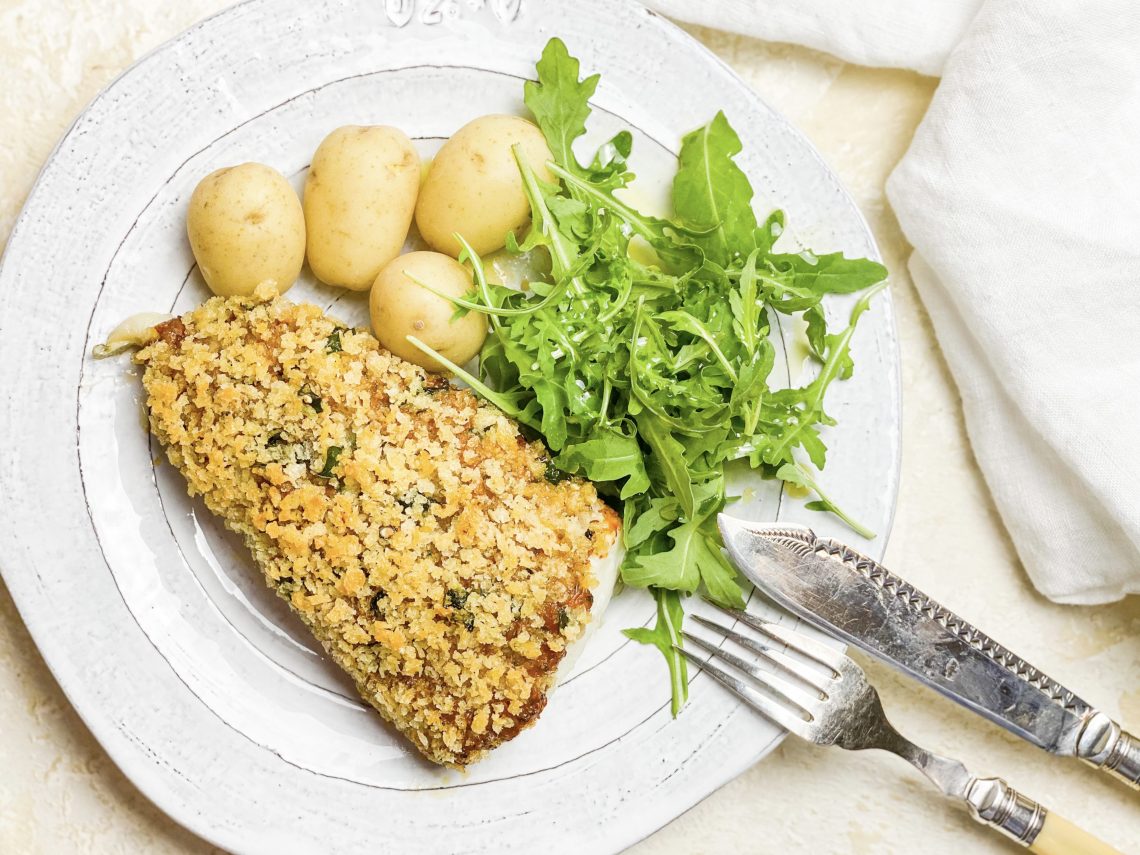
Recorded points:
409,524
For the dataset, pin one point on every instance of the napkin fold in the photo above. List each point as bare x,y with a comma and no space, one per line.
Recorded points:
915,34
1020,194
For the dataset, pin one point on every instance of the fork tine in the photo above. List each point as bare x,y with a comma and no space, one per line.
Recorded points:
797,641
768,708
781,661
792,694
809,647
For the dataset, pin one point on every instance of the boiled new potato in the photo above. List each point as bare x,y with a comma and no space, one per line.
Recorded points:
474,187
399,307
359,198
246,226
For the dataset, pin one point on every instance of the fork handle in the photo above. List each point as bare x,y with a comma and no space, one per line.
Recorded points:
995,803
1058,836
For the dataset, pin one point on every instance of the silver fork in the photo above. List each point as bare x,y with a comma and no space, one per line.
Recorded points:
822,696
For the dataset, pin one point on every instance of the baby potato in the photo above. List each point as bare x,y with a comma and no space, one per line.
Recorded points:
360,195
246,226
400,307
473,186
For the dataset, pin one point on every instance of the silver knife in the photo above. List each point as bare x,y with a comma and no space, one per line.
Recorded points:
855,598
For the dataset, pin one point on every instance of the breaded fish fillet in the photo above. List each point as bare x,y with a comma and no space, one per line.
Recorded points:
408,524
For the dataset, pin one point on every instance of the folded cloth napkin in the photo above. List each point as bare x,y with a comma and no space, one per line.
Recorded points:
916,34
1021,196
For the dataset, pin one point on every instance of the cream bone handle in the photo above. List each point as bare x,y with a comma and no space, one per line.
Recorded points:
995,803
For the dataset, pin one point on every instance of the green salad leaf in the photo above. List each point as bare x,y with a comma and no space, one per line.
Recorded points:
666,637
644,358
711,192
560,102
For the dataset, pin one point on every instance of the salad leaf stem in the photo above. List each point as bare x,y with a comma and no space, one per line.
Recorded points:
474,382
562,252
666,637
797,473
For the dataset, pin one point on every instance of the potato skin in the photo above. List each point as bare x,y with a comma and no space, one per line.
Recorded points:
246,226
473,186
399,307
360,195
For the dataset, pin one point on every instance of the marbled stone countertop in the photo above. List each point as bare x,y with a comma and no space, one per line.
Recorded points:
59,792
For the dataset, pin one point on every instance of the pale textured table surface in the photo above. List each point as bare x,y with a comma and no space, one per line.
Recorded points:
59,793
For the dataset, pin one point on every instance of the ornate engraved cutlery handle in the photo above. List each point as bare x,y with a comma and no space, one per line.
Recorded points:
1104,744
995,803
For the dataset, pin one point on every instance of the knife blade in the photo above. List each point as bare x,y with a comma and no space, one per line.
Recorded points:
849,595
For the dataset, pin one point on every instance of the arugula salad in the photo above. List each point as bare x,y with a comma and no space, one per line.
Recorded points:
644,359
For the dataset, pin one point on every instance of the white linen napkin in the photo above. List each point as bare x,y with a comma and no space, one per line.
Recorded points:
1021,196
917,34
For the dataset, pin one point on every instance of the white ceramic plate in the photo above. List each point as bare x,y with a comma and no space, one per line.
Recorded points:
198,682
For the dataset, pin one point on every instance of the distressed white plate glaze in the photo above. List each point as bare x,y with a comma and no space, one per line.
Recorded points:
199,683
